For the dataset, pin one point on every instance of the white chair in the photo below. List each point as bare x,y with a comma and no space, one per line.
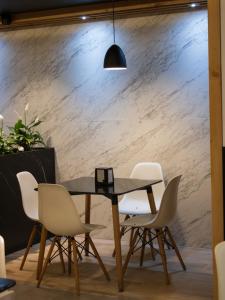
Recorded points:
2,258
220,263
27,184
137,203
7,294
59,215
158,222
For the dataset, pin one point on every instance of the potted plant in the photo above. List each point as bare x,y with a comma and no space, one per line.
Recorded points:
22,136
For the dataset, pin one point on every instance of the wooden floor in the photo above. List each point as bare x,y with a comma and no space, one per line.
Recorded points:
140,283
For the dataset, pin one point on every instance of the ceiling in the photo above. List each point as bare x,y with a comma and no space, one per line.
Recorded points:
24,6
27,13
15,6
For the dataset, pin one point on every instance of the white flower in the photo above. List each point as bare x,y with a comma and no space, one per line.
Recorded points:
20,148
26,107
1,122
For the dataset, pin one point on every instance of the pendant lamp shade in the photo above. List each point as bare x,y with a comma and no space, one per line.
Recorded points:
115,59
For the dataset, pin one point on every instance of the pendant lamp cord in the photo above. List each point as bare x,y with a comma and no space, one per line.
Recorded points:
114,33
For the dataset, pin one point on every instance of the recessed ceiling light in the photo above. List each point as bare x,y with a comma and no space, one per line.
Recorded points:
83,18
193,5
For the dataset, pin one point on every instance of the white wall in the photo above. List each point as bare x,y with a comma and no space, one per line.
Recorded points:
157,110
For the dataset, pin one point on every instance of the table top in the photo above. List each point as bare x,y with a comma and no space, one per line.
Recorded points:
86,185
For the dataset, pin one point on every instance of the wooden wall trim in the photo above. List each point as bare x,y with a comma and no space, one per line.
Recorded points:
216,126
100,11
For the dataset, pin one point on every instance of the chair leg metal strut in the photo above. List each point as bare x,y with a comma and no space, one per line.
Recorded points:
163,236
71,250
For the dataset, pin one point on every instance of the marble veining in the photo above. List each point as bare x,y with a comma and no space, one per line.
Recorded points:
156,110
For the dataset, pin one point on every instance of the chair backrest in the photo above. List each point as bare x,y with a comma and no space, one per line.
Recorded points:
57,211
28,184
150,170
220,263
2,258
168,205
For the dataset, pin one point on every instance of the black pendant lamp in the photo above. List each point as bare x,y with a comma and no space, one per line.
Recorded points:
115,58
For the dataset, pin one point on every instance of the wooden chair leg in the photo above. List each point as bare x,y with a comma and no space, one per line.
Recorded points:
99,259
143,246
131,236
159,233
44,234
122,231
165,234
130,252
151,244
29,245
69,255
76,269
58,242
47,261
117,242
87,221
175,248
121,235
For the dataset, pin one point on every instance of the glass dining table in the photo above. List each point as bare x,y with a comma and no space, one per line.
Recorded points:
87,186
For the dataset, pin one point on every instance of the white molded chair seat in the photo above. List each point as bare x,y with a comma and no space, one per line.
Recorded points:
136,203
220,263
140,221
91,227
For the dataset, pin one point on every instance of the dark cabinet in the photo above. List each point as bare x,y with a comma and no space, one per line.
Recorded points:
15,226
